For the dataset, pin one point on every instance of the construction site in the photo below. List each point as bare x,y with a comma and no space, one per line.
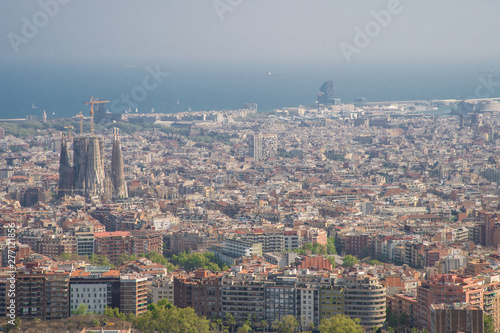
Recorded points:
88,176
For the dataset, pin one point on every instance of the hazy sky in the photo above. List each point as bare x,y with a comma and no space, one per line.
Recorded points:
136,32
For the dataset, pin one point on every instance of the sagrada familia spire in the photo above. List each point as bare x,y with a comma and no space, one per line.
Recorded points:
119,185
88,177
65,170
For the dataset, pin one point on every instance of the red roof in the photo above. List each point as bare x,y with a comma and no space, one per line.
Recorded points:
112,234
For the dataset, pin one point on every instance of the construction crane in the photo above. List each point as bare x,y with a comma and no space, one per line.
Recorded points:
92,102
80,115
69,128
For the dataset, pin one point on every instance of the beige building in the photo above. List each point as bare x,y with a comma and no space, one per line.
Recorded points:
365,298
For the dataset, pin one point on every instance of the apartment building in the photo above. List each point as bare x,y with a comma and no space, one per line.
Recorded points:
331,301
42,294
144,241
491,299
291,240
113,244
200,291
456,317
243,294
271,240
57,295
161,288
52,246
95,286
399,303
365,298
447,289
133,294
280,298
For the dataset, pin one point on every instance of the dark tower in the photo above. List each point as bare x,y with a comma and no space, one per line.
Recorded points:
65,170
88,167
117,174
99,111
328,91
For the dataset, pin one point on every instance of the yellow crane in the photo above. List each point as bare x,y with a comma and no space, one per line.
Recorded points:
92,102
80,115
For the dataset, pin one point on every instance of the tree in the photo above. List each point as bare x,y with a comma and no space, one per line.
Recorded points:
163,318
340,324
489,325
330,245
392,320
244,329
98,260
349,261
82,310
230,321
9,327
416,330
115,313
375,262
159,259
404,319
69,256
287,325
193,261
365,252
264,325
332,261
125,258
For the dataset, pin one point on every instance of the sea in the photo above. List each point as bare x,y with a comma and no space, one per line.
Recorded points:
166,87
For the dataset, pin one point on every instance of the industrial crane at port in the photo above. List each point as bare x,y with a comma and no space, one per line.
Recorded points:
92,102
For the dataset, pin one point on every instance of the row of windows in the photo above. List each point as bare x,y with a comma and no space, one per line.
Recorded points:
88,301
83,289
89,295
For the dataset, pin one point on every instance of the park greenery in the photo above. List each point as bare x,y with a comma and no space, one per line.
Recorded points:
187,261
489,324
318,248
193,261
163,317
349,261
340,324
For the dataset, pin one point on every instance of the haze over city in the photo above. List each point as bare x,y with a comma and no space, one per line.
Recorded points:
245,166
219,54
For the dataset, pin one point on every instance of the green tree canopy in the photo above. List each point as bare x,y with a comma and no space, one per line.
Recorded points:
349,261
489,325
126,258
340,324
163,318
330,246
287,325
365,252
81,310
159,259
193,261
98,260
315,248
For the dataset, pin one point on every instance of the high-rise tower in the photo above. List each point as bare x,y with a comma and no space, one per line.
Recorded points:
263,146
117,174
327,91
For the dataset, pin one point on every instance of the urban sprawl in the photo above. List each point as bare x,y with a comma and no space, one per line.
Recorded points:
385,212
